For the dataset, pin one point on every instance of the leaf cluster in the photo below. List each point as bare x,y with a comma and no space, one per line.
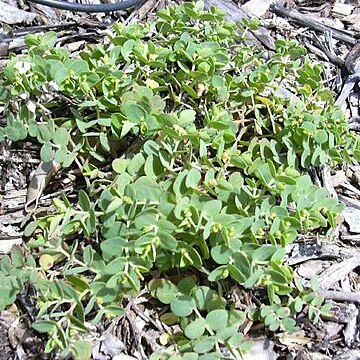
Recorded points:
208,155
205,323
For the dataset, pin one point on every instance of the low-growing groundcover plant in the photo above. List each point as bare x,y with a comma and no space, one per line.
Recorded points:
208,179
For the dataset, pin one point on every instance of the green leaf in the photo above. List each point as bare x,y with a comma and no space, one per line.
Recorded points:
263,253
126,128
13,133
279,255
17,256
134,113
182,306
30,228
236,274
221,254
190,91
314,283
61,136
167,241
104,141
205,298
204,345
77,65
113,310
164,290
190,356
153,166
248,93
289,325
236,340
82,350
69,160
187,117
325,309
195,329
226,333
44,326
120,165
80,284
61,154
212,208
253,279
45,133
317,301
127,48
115,266
112,247
84,201
217,81
46,152
217,319
186,285
219,273
209,175
277,276
136,163
193,178
169,318
9,289
179,186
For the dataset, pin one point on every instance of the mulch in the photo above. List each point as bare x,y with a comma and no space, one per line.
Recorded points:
330,30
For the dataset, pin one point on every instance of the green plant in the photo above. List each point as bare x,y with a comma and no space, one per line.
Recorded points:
208,172
205,322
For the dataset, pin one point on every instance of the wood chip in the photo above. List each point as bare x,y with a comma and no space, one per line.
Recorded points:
349,201
305,19
340,9
337,271
301,252
351,329
310,268
352,238
339,313
341,296
316,356
12,15
348,355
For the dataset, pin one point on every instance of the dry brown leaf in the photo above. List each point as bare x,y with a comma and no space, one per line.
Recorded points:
38,183
295,339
